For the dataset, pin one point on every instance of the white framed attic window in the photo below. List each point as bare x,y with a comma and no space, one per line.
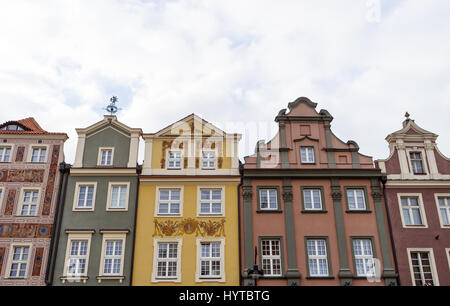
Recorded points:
5,154
105,156
28,202
208,160
174,159
37,153
118,195
307,155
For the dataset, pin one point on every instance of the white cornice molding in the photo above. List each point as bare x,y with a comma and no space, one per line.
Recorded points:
445,183
103,171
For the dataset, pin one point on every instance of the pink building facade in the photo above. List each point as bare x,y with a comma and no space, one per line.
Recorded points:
417,190
29,180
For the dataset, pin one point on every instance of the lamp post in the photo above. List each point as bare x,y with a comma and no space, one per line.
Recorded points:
255,273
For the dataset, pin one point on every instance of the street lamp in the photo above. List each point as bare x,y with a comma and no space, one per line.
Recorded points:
255,273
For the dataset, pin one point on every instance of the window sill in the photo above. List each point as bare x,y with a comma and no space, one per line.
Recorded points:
72,279
358,211
268,211
210,215
305,211
168,216
320,277
308,163
120,278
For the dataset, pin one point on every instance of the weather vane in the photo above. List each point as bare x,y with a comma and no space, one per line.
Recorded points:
112,108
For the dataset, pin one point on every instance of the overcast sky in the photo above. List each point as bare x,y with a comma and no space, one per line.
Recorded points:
234,63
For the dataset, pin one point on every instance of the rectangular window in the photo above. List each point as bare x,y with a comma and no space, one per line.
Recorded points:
29,203
363,253
113,257
19,261
211,201
444,210
167,260
210,260
271,257
169,201
307,155
5,154
411,211
312,199
268,199
174,160
106,157
416,162
77,258
38,154
208,160
422,269
118,196
356,200
85,199
317,257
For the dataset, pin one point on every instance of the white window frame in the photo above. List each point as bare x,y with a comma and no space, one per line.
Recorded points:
222,202
2,196
77,236
10,259
77,193
317,257
312,199
107,237
307,161
109,198
21,202
155,277
272,257
158,188
221,277
432,264
436,197
168,160
354,189
421,209
209,160
364,257
447,251
5,146
31,147
99,157
424,161
268,208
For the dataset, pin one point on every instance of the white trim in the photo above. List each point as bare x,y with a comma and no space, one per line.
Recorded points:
105,128
99,156
156,242
432,264
221,277
112,237
2,196
7,145
214,151
109,197
148,152
436,197
21,198
447,251
189,171
268,208
76,237
307,161
421,209
133,151
222,201
181,159
10,259
272,257
37,146
102,172
423,156
158,188
77,193
394,181
79,151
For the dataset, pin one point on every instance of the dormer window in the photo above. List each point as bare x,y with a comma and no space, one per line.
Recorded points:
416,162
105,157
12,127
174,160
307,155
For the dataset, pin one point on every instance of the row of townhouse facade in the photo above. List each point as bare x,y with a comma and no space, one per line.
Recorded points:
305,209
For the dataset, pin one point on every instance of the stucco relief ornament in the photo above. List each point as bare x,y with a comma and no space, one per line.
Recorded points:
167,228
212,228
287,196
247,194
336,195
377,195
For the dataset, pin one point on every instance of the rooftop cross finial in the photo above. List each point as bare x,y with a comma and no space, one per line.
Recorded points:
112,108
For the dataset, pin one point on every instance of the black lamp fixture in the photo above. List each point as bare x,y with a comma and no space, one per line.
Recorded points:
255,273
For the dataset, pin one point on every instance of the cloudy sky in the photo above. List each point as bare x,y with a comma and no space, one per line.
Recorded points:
235,63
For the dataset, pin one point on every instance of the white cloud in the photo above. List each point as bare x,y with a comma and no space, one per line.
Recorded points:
228,61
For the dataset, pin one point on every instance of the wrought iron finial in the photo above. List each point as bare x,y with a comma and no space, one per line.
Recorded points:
112,108
407,115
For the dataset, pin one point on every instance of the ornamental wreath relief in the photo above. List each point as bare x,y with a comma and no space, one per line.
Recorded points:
189,226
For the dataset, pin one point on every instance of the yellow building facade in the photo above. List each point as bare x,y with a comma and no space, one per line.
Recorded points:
187,220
